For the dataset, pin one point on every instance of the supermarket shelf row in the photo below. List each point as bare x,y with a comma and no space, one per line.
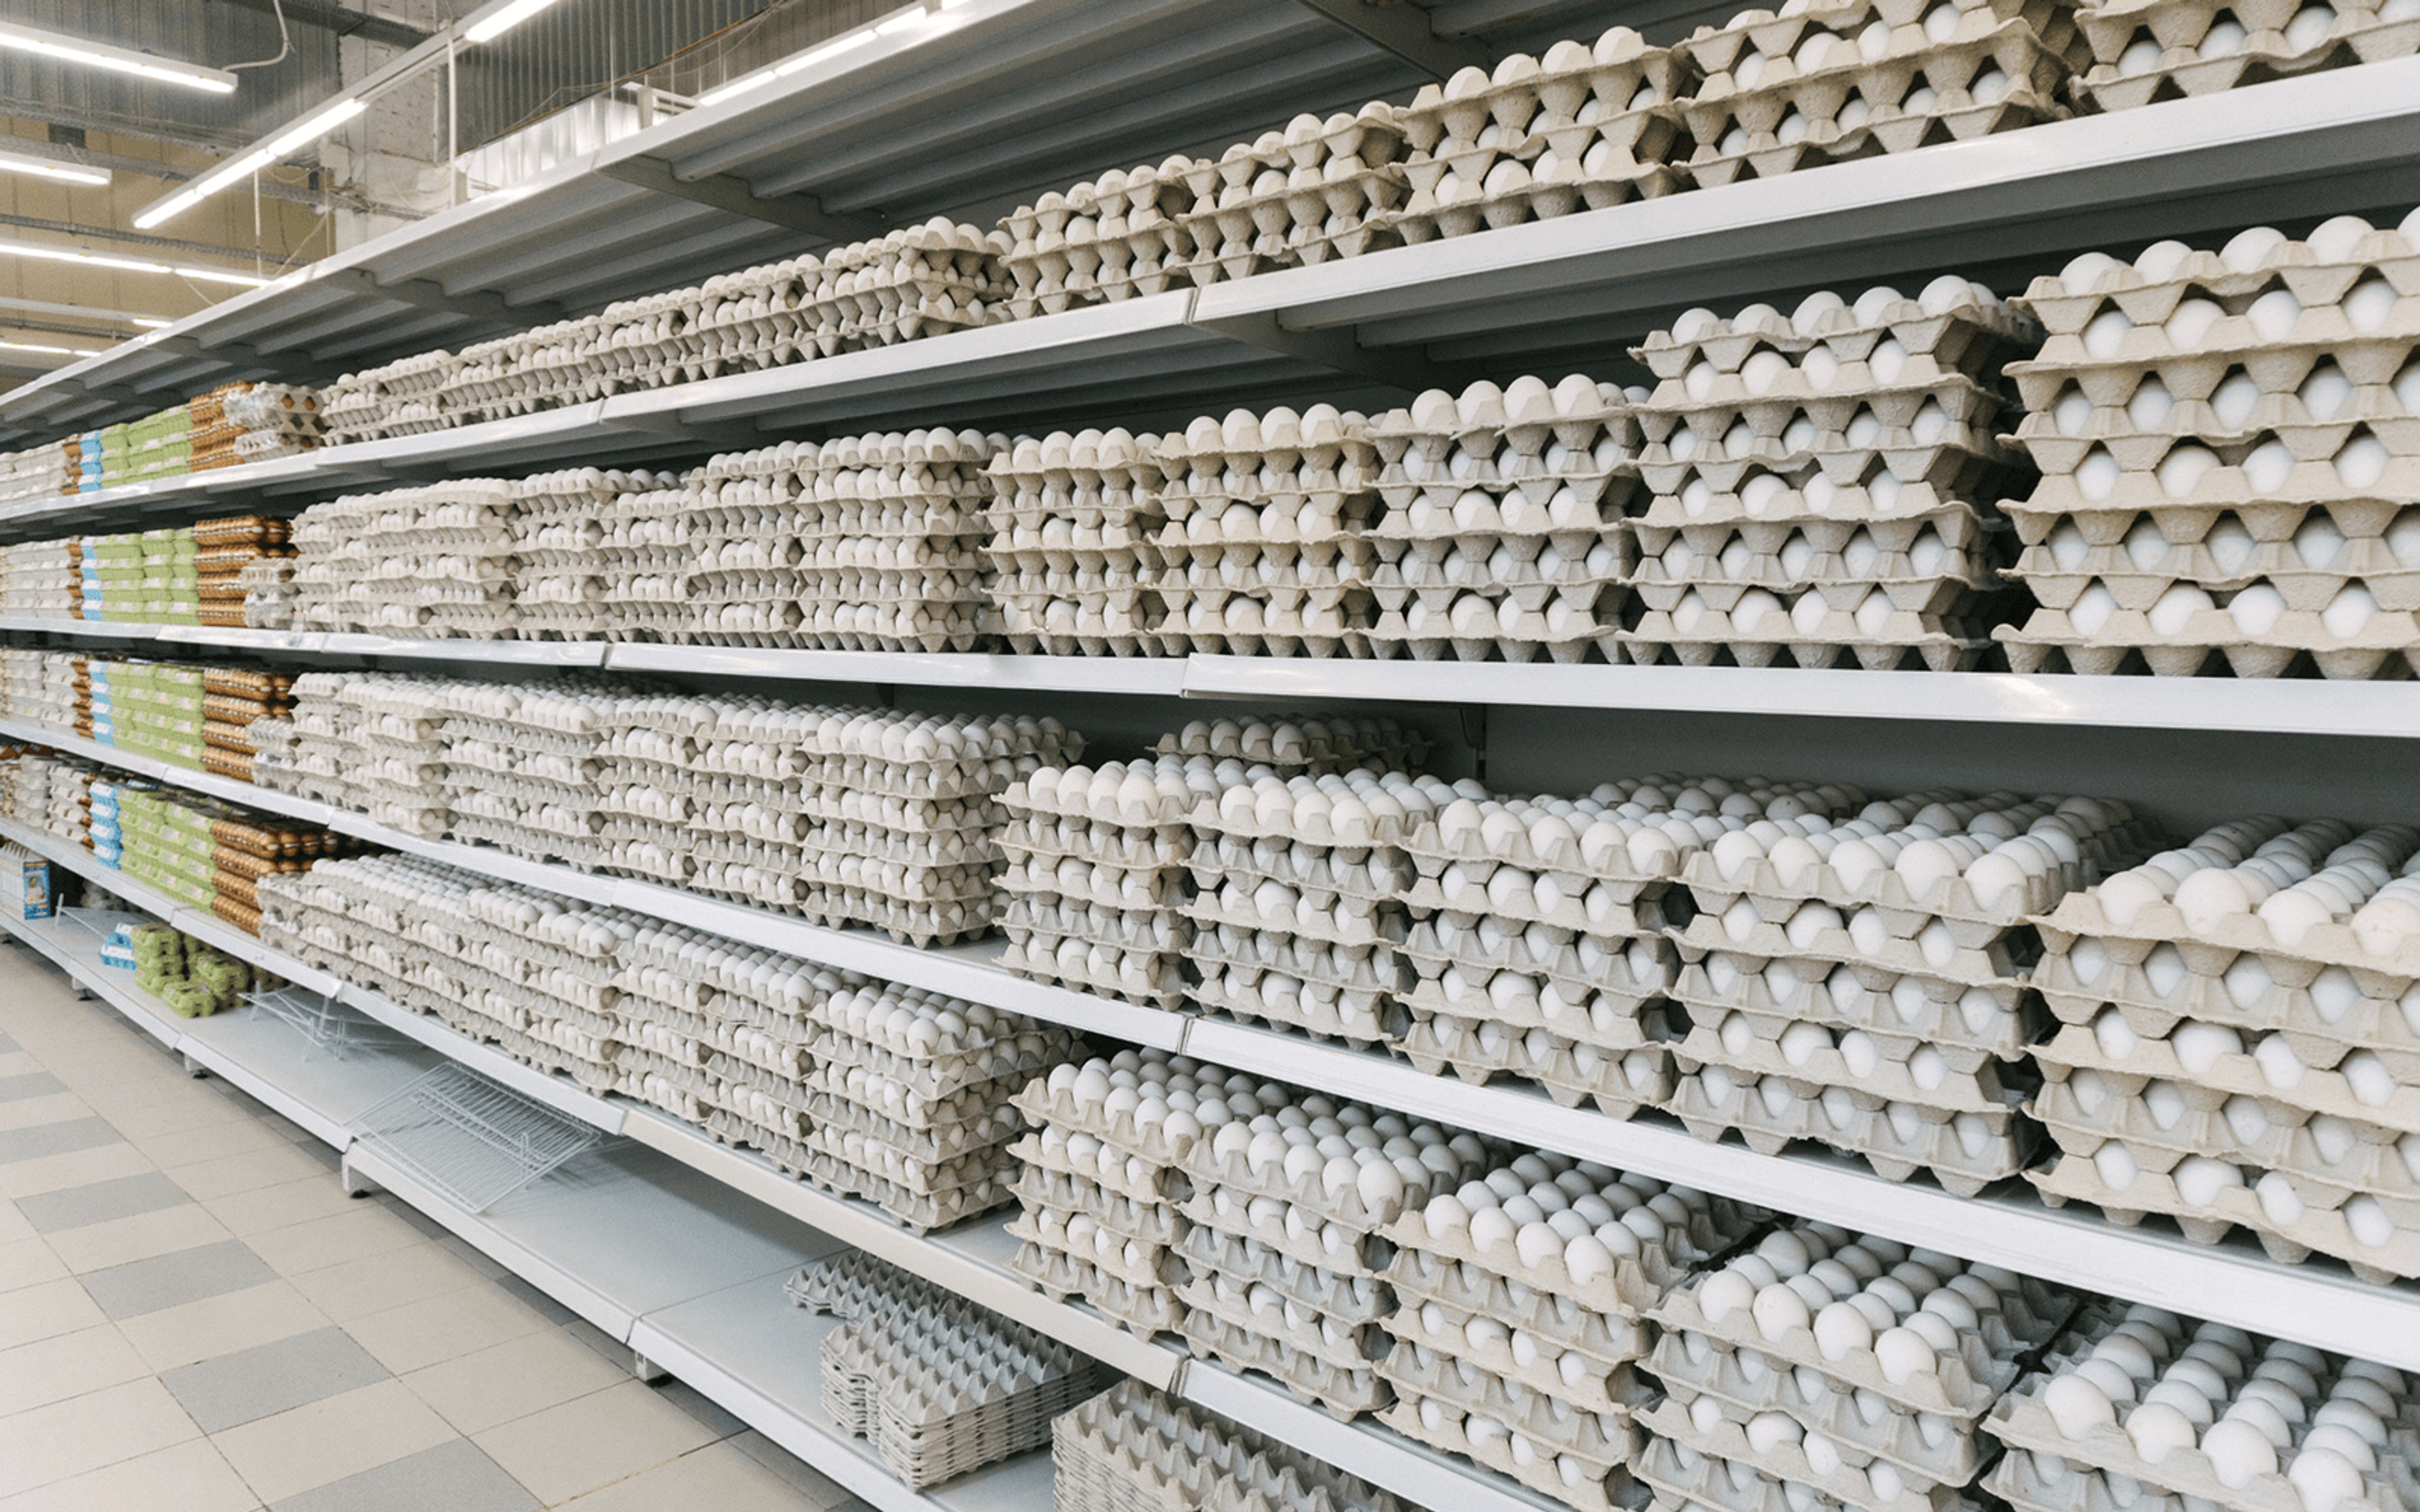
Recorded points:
2231,1283
2283,706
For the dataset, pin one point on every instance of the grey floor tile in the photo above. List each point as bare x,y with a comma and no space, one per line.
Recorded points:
538,1302
420,1219
32,1084
272,1378
456,1477
122,1197
8,1042
172,1280
692,1401
61,1138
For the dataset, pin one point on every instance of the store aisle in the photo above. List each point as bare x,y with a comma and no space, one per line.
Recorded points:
193,1315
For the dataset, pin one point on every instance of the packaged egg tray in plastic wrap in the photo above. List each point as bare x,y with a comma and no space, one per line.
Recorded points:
1133,1449
1503,533
560,526
1585,126
2235,1047
1813,83
939,1385
1518,1318
1824,482
2139,1407
2145,51
1852,1368
1264,551
2230,444
1074,521
431,561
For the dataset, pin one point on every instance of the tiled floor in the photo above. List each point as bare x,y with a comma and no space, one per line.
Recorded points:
193,1316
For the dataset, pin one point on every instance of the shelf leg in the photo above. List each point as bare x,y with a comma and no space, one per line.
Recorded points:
194,1068
355,1183
647,1369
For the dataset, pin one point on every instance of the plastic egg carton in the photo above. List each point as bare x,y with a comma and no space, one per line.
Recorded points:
2227,443
2143,52
1072,520
1132,1449
1318,187
1106,239
1828,83
1582,127
2149,1408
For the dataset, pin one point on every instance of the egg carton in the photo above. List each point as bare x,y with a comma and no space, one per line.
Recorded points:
1121,1130
1928,1448
1111,238
2045,1453
2320,1160
2142,54
1362,873
1518,1000
1145,1218
1342,1394
1318,1008
1244,1263
1998,1021
1435,1347
1144,1311
934,1419
1215,1304
2360,1087
1142,1265
1957,324
2319,1023
1359,1192
1467,1289
1965,1152
1586,1487
1579,964
1852,1477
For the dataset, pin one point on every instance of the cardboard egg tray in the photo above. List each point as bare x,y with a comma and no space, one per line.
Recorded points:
1528,1000
1324,1244
1216,1304
1318,187
1954,325
2319,1023
1086,965
1579,1378
2382,1099
1146,1219
1998,1021
1681,1477
1583,965
1927,1447
1100,1174
1242,1262
1570,1072
1822,934
1107,238
1342,1393
1586,1484
1144,1311
1596,1317
1709,1434
2295,966
2143,52
1965,1151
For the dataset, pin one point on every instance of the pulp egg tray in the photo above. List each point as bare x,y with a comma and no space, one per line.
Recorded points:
1965,1151
1120,796
1875,636
1997,1021
1144,1311
1142,849
1147,1219
1522,1000
1475,637
2061,1423
920,1212
1245,1263
2356,646
1543,1277
1960,1380
1274,908
1152,981
1743,1383
1215,1304
1142,1264
1289,742
2143,52
1724,563
1107,239
1347,1163
1902,1067
997,1066
2142,573
1360,874
2210,1062
1043,929
1941,436
1342,1394
1101,883
1122,1129
1817,932
1548,1420
1682,1477
1572,1074
1381,810
1582,965
1592,1477
2389,971
2156,992
1582,1378
1951,325
1323,1243
1133,1449
975,1389
1089,1164
1784,1450
929,1135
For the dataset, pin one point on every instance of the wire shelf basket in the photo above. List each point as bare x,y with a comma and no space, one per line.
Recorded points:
475,1142
322,1021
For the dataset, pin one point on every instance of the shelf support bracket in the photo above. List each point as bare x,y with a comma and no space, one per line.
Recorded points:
296,365
1405,31
428,294
1410,371
738,436
731,195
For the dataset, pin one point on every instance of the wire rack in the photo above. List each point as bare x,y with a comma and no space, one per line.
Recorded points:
475,1142
322,1021
99,922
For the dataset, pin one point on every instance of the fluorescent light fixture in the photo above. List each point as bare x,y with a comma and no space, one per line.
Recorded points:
66,173
494,23
907,19
65,49
301,134
38,346
152,323
829,50
42,252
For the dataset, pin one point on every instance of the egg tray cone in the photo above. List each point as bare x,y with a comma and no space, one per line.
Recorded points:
1594,1385
2007,1022
2366,1161
1746,1384
2354,35
2386,1102
1443,1425
2336,1012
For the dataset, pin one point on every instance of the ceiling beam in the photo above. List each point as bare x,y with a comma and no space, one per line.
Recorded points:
76,312
132,238
344,23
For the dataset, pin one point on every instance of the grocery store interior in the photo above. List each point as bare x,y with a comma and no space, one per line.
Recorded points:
1210,755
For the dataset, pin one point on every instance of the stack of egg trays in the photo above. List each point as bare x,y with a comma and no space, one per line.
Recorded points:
912,1098
2229,446
698,792
2139,1407
918,281
1133,1449
523,763
1075,525
1776,92
941,1386
1285,1250
1263,550
391,754
1103,1172
399,398
1519,1317
2145,51
1898,1024
1314,189
644,562
714,1032
1586,126
1538,947
1111,238
891,529
1502,533
316,750
431,561
1852,1367
1300,887
561,522
41,579
1095,874
738,322
42,686
2243,1068
542,368
1824,482
733,565
1295,742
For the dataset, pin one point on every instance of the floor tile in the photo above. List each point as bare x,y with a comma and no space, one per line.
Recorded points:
468,1252
270,1379
189,1478
818,1488
696,1404
29,1262
7,1042
377,1283
29,1084
30,1313
327,1440
83,1433
77,1168
456,1477
718,1476
537,1300
221,1325
65,1365
121,1241
443,1327
55,1138
176,1116
311,1194
172,1280
481,1390
251,1171
56,1107
360,1231
211,1141
593,1442
99,1201
13,1225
